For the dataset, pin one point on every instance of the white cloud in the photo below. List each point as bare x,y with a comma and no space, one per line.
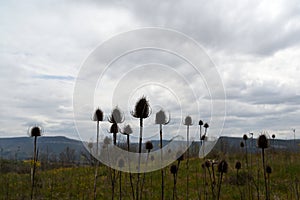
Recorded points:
254,44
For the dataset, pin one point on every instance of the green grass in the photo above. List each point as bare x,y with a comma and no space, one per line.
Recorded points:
77,182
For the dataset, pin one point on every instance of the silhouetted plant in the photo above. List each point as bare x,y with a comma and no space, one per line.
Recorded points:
203,137
245,138
200,124
114,129
188,123
35,132
141,111
210,164
273,148
127,131
263,143
173,171
242,145
98,117
115,118
268,171
161,119
149,147
222,168
238,166
206,126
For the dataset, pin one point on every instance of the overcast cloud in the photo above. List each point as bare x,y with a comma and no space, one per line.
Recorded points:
255,46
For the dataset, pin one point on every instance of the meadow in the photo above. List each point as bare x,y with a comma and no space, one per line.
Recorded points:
77,182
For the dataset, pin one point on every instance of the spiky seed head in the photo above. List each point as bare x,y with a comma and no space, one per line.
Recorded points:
149,145
127,130
268,169
179,156
223,167
203,137
262,142
160,117
207,164
116,116
238,165
114,128
273,136
200,122
188,120
35,131
242,144
121,162
98,115
245,137
141,109
206,125
173,169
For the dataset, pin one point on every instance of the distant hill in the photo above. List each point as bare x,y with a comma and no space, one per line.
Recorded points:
21,148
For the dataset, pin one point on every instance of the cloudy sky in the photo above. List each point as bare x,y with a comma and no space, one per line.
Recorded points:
254,45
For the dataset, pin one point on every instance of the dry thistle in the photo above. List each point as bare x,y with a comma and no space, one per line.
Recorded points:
262,142
173,169
238,165
242,144
223,167
149,145
98,115
141,109
188,121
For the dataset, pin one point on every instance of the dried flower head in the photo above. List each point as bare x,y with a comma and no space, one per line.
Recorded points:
268,169
114,128
207,163
223,167
273,136
98,115
35,131
149,145
262,142
206,125
245,137
141,109
161,118
127,130
238,165
242,144
188,121
173,169
116,116
200,122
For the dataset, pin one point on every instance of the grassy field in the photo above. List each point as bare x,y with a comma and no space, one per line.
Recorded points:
77,182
